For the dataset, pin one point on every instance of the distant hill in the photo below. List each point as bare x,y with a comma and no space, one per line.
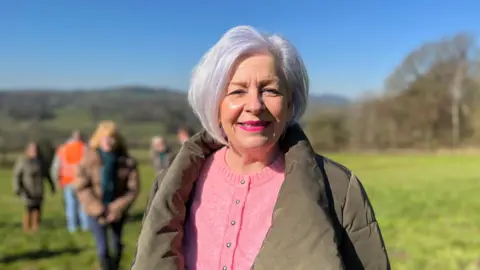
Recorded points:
141,111
128,95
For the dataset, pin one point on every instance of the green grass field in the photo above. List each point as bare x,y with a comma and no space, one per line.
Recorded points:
427,206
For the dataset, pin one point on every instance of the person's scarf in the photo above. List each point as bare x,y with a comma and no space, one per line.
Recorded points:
34,160
109,175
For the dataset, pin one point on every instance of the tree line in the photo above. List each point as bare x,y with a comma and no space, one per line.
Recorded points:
429,101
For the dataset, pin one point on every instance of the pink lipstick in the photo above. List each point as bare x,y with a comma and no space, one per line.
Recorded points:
253,126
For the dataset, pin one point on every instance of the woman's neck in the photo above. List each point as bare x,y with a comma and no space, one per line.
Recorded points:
252,162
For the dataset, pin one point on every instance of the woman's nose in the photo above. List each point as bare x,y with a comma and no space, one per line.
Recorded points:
254,103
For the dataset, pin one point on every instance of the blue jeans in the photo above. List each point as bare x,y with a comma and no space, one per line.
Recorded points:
74,211
100,232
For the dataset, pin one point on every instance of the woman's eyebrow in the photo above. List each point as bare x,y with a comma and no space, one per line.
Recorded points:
262,83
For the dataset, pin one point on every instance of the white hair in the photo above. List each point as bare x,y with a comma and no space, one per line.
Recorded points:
156,139
210,77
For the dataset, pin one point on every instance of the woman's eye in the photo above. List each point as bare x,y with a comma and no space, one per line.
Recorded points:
271,91
236,92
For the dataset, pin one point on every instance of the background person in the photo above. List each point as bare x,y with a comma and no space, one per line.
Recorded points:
160,154
63,171
107,184
28,182
183,134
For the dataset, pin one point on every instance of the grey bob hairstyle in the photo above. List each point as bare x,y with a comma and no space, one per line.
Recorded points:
210,77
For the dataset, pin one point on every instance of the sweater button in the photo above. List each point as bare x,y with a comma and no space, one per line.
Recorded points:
243,182
229,244
237,201
224,268
233,222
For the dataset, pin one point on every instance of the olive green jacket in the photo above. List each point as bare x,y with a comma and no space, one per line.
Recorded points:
28,180
322,218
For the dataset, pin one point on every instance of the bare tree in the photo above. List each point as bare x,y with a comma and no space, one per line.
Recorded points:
435,72
456,101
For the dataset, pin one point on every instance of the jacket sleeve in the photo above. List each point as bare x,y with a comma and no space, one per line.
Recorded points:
363,230
48,177
151,194
123,203
84,190
55,169
172,158
17,176
153,249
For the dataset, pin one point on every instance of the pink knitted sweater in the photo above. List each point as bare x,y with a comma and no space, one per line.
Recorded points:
230,215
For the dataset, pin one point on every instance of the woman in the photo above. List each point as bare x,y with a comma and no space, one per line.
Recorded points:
28,177
249,191
160,154
107,184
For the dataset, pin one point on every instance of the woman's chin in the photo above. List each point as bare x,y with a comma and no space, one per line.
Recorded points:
255,144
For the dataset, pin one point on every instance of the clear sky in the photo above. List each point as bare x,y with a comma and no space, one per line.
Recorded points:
348,46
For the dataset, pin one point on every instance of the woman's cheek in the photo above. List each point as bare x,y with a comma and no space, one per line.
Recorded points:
235,104
231,109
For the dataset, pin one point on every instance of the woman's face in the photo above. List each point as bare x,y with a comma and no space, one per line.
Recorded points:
107,143
182,136
255,108
160,145
32,151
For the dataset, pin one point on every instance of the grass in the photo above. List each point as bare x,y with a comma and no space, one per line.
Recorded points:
427,207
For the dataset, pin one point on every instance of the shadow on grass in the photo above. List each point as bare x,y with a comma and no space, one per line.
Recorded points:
39,254
45,223
61,224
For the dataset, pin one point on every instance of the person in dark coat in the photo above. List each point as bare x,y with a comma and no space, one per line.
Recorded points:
160,154
28,183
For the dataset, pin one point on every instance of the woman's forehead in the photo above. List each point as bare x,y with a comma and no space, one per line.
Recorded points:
264,64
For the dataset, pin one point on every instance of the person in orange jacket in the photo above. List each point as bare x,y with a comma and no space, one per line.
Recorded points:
63,171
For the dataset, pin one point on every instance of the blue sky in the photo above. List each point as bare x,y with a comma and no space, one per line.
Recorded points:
348,46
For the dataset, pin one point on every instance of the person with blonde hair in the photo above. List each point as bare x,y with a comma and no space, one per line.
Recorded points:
250,192
107,184
28,182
